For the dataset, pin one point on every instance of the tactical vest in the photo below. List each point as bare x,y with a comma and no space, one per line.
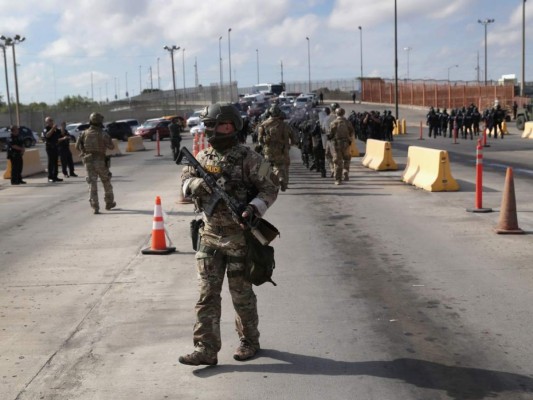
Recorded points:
228,170
275,144
95,141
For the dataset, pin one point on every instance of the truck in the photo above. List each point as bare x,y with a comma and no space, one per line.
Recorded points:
523,115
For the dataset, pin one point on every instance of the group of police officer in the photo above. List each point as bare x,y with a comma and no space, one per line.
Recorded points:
465,122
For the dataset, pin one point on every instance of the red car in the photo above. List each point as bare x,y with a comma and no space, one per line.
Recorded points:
149,129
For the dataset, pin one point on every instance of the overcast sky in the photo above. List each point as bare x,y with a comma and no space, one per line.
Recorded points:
67,42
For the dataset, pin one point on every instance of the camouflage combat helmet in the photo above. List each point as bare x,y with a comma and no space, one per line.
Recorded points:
96,118
215,113
275,111
334,106
339,111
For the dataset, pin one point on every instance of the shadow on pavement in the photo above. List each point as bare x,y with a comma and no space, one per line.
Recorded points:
460,383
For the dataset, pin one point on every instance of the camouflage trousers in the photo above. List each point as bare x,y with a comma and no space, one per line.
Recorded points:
213,263
341,156
281,170
97,168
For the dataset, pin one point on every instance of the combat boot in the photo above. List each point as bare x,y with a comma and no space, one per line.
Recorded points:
110,205
245,351
346,176
337,182
198,358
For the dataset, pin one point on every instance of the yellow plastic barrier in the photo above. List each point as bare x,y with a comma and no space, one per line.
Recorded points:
32,164
528,130
404,127
378,156
396,130
75,154
116,150
504,127
429,169
135,143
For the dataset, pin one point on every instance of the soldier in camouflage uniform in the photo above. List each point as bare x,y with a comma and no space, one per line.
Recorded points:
275,137
248,178
341,133
92,145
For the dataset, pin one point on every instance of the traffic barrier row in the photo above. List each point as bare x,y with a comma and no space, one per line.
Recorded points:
135,143
378,156
426,168
429,169
32,164
400,128
528,130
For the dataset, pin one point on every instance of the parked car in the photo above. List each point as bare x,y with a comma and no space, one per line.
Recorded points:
28,136
198,129
303,102
150,127
181,120
287,109
119,130
133,123
194,119
313,96
74,130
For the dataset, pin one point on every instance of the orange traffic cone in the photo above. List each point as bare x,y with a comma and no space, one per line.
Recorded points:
195,148
202,141
159,245
508,220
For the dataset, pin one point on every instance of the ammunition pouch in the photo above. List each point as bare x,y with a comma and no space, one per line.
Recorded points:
195,226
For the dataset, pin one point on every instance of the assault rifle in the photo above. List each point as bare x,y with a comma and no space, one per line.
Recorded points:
262,230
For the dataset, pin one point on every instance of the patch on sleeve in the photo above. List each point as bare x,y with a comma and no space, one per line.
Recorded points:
264,169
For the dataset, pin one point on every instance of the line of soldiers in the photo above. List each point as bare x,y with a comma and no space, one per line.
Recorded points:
466,121
322,137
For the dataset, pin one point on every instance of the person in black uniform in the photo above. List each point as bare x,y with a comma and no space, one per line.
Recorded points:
63,145
51,135
175,136
15,152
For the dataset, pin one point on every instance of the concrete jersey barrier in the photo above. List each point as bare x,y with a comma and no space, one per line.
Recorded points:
115,151
32,164
378,156
528,130
135,143
429,169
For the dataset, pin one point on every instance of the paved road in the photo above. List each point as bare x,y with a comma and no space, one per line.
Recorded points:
384,291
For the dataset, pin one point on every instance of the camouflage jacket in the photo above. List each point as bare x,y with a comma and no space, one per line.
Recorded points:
275,136
94,141
244,175
341,130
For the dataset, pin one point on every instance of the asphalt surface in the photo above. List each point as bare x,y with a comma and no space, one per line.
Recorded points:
384,291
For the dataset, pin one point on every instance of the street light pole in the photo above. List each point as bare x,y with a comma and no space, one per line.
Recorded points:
309,61
523,80
396,59
229,60
171,51
7,80
12,42
485,22
361,48
449,68
220,61
183,66
257,53
408,50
